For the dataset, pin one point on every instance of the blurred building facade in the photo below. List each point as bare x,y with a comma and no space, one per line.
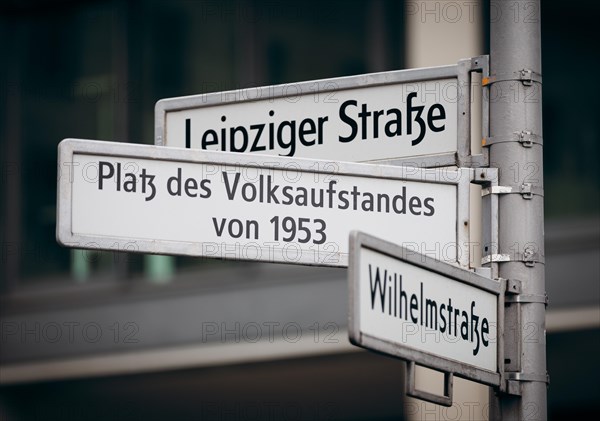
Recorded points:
113,335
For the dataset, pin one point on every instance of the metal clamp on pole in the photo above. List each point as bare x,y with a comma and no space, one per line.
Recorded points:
515,380
514,294
526,76
528,377
527,298
530,258
527,190
525,137
411,390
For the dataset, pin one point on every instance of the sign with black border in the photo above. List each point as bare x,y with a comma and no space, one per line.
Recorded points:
418,117
142,198
393,312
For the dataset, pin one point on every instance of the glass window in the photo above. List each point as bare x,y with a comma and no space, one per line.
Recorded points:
95,70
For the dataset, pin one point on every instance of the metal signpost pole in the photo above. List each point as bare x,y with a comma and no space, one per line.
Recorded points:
515,148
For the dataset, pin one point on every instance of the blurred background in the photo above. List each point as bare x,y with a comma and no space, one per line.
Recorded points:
111,335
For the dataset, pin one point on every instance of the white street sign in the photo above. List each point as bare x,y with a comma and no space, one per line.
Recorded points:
420,116
238,206
406,304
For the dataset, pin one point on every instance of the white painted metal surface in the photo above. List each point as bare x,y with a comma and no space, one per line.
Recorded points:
188,202
420,309
418,115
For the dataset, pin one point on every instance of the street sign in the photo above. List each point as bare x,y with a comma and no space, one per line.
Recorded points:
409,305
163,200
419,117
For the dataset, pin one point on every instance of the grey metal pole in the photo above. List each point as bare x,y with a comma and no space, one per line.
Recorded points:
515,147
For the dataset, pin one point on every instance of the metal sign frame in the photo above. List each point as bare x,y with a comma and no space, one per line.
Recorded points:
460,178
360,240
461,71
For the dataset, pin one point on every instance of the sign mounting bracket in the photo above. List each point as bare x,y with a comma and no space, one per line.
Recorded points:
411,390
